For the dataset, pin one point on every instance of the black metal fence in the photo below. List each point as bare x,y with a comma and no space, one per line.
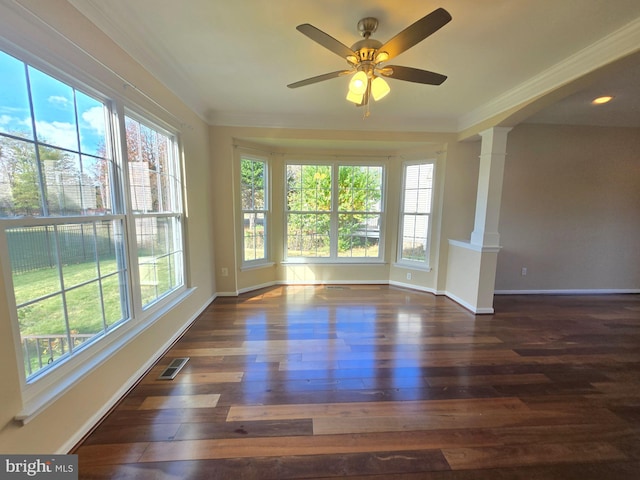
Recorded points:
34,248
41,350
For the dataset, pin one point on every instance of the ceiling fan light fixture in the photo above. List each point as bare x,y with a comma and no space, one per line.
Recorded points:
379,88
358,84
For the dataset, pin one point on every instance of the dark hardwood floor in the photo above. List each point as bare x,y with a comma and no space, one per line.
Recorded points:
378,382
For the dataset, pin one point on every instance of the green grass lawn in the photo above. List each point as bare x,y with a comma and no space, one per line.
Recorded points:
83,302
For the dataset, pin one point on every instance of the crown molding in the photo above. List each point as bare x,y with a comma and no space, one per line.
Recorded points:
614,46
331,122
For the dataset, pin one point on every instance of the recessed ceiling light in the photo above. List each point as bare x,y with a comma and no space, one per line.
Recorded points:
601,100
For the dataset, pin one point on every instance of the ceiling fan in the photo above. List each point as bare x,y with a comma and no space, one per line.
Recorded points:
366,56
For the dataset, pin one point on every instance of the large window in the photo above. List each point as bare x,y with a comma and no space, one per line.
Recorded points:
65,220
416,213
333,211
155,199
255,198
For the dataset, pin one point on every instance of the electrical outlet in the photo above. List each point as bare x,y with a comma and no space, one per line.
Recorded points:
523,272
224,271
408,275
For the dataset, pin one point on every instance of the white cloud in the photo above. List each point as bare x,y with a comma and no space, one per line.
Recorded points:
11,123
57,99
95,118
61,134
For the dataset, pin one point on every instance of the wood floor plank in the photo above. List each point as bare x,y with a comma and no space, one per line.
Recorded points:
441,421
375,409
179,401
535,454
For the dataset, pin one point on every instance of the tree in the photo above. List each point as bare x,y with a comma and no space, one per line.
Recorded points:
359,192
20,174
148,146
309,201
20,179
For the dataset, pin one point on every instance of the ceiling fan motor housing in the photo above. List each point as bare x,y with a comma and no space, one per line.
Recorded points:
366,49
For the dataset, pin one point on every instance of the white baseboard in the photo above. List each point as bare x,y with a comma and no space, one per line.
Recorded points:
117,396
415,287
468,306
597,291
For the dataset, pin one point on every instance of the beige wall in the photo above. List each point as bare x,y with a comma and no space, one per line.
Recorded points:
59,425
570,209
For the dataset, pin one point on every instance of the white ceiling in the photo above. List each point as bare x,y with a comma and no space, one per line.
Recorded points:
230,61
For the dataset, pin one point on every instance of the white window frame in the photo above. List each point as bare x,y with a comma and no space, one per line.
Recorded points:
334,212
40,390
266,211
175,214
406,262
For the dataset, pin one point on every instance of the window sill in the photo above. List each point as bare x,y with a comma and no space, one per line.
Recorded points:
412,266
333,262
256,266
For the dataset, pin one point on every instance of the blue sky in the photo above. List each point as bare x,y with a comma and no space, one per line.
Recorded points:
53,104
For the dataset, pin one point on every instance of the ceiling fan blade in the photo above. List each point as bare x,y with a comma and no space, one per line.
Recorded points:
412,74
319,78
416,32
326,40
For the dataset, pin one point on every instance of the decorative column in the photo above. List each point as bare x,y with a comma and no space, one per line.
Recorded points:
471,267
492,154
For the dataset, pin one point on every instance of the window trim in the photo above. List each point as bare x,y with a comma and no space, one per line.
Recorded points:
334,212
405,262
43,389
267,259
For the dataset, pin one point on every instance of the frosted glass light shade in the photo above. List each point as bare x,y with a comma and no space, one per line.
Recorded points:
379,88
355,97
358,84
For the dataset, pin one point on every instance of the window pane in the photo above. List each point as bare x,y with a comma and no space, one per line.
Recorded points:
84,308
20,192
411,201
54,111
68,190
253,176
34,261
358,235
159,260
15,113
254,244
95,174
92,117
77,247
414,240
308,235
43,333
359,188
114,309
309,188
